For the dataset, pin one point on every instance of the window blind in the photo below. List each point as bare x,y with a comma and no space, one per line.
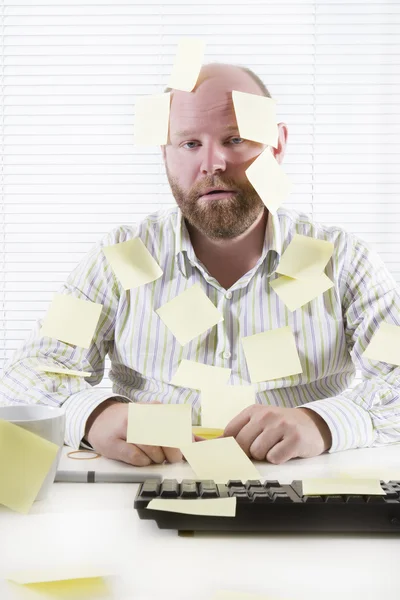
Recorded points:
72,71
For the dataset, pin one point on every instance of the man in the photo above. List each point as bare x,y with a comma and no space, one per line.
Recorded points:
229,244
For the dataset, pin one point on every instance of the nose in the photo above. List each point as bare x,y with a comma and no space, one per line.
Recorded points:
212,158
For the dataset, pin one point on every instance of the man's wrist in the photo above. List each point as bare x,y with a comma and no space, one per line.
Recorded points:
322,425
93,416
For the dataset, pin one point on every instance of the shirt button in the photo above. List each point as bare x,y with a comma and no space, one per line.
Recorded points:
226,354
228,295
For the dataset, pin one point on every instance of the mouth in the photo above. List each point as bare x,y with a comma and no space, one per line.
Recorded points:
218,194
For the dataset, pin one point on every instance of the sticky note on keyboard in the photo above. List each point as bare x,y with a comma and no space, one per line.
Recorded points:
269,180
344,485
305,257
220,459
220,404
385,345
271,354
152,120
192,374
25,460
62,371
160,424
213,507
71,320
132,263
189,314
295,293
187,64
256,117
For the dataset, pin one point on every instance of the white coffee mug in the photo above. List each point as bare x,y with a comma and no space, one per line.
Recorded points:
45,421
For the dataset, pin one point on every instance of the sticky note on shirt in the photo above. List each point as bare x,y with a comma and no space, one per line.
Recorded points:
160,424
132,263
314,486
191,374
71,320
271,354
49,369
305,257
385,345
295,293
189,314
25,460
152,120
269,180
220,459
256,117
220,404
187,64
212,507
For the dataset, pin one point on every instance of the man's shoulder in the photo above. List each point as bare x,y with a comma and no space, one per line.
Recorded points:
294,221
152,227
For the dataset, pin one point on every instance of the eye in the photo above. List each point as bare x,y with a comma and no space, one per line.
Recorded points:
235,138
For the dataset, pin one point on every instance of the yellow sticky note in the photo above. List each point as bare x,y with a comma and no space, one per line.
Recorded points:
160,424
71,320
187,64
294,293
271,354
212,507
256,117
220,404
132,263
209,433
25,460
192,374
269,180
220,459
385,345
189,314
314,486
152,120
305,257
49,369
227,595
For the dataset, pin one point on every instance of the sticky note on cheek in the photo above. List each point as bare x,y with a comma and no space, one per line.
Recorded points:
269,180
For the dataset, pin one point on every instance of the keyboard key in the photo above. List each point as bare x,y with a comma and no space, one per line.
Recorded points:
208,489
334,498
281,498
262,498
354,498
271,483
375,499
169,488
151,488
239,495
311,499
188,488
253,483
234,483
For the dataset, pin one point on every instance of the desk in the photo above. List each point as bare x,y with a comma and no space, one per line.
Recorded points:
158,564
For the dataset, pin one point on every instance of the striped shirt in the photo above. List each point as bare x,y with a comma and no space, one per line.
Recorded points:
331,332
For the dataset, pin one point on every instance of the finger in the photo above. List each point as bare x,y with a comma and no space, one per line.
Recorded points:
129,453
248,434
238,422
282,451
155,453
263,443
173,455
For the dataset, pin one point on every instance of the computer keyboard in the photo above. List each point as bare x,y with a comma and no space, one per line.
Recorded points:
271,506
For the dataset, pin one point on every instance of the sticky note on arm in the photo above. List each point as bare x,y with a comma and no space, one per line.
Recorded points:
160,424
187,64
385,345
62,371
132,263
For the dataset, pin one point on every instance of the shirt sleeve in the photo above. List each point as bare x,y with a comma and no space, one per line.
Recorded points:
368,414
23,383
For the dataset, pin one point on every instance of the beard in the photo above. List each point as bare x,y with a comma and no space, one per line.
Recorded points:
219,218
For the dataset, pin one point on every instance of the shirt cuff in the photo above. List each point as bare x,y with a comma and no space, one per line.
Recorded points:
78,409
350,424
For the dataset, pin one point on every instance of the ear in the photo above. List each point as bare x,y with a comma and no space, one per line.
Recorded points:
279,152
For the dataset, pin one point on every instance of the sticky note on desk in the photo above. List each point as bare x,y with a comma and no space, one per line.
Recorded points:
343,485
295,293
132,263
271,354
62,371
256,117
152,120
212,507
269,180
305,257
71,320
160,424
220,459
187,64
191,374
220,404
189,314
25,460
385,345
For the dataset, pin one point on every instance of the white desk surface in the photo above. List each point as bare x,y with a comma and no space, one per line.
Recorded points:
80,523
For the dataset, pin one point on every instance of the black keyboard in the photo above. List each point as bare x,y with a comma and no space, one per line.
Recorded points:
271,506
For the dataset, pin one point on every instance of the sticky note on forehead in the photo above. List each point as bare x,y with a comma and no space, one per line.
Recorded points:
152,120
187,64
295,293
189,314
269,180
271,354
220,404
132,263
256,118
25,460
305,257
385,345
71,320
196,375
160,424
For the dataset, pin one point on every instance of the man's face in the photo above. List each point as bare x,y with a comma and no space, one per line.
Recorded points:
211,154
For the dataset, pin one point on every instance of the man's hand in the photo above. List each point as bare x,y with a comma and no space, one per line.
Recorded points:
279,434
106,432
